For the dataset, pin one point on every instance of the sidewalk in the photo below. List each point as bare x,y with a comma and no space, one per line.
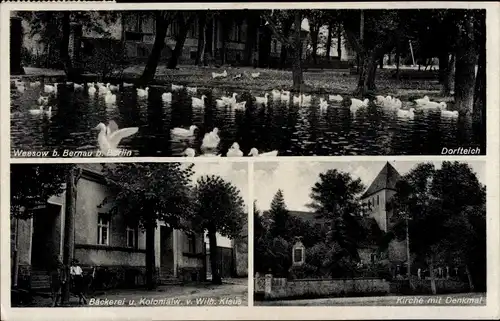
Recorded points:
232,292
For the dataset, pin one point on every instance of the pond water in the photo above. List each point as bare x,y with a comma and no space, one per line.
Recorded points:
293,131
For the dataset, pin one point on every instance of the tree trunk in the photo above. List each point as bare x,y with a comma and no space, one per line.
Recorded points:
150,255
201,39
433,280
314,44
398,58
72,178
444,73
480,88
465,71
339,41
64,50
367,72
224,34
297,49
287,25
329,40
179,44
252,29
212,238
469,278
154,57
381,62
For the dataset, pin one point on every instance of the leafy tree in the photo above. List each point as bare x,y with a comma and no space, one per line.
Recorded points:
371,33
53,27
316,19
32,185
279,215
336,198
147,192
219,209
446,211
280,22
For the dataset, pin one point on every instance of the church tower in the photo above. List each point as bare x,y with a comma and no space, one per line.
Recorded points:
379,193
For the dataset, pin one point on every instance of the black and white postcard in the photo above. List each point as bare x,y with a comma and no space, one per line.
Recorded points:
129,234
370,233
255,160
248,82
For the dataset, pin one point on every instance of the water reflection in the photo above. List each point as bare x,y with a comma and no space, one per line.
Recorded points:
291,130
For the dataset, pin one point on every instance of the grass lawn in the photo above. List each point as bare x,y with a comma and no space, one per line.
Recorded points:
317,81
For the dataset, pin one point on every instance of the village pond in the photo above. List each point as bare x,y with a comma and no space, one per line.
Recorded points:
289,129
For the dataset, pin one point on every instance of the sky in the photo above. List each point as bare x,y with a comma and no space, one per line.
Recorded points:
235,173
296,179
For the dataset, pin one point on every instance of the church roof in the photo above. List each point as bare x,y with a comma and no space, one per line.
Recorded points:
386,179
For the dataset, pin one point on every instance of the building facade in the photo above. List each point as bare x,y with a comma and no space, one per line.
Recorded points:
105,246
377,197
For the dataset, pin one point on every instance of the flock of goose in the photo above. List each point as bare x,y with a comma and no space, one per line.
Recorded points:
110,135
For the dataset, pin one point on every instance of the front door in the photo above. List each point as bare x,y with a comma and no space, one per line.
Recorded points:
166,252
46,237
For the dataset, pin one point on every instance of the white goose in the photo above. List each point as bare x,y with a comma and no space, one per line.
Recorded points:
192,90
108,141
142,92
37,111
234,151
110,98
262,100
220,103
189,152
182,132
335,98
422,101
198,102
21,88
177,87
77,87
356,104
219,75
49,89
43,100
211,140
255,152
103,90
166,97
255,74
276,94
92,90
449,113
285,96
240,106
230,100
113,87
323,104
406,113
434,105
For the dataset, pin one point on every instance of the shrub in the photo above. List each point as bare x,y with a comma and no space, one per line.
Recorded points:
104,57
303,272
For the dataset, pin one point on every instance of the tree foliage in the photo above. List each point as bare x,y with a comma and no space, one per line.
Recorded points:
336,198
447,213
219,206
32,185
146,192
279,215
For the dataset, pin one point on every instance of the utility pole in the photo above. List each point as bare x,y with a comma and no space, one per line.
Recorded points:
408,255
72,178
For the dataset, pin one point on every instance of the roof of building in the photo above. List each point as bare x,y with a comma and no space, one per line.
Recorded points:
386,179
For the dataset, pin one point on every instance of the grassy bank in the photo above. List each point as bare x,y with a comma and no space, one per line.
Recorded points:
317,81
